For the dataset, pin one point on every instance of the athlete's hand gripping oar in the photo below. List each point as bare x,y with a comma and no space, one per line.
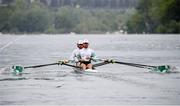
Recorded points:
162,68
18,69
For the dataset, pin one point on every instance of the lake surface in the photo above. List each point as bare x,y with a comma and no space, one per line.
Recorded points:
114,84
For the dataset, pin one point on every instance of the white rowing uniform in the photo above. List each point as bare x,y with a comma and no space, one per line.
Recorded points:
74,56
87,54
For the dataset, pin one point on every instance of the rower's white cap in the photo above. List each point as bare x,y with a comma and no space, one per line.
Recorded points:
85,41
80,42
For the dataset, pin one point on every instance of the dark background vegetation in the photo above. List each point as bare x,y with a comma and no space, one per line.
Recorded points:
156,16
90,16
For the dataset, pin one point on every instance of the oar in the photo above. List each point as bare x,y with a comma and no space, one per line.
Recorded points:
18,69
71,65
162,68
100,64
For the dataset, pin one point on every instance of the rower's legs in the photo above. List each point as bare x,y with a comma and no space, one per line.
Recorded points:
83,66
89,66
86,66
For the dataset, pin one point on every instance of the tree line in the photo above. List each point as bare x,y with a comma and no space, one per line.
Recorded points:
90,4
150,16
113,4
156,16
22,17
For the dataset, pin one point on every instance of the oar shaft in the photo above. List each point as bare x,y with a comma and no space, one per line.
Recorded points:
100,64
139,66
133,64
43,65
71,65
36,66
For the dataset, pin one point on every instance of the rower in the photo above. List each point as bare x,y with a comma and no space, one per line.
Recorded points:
74,55
86,55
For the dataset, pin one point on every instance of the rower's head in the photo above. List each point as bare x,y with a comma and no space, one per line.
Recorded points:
85,43
80,44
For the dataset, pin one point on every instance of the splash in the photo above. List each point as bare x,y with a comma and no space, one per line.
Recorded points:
11,70
5,70
165,69
17,69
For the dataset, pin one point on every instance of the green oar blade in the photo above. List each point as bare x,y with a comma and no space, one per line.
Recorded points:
161,69
18,69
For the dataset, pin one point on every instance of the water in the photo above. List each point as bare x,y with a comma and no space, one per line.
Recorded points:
113,85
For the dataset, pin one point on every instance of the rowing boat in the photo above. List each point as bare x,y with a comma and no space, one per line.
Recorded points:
79,70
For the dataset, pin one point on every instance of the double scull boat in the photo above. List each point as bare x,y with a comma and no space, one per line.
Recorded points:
162,68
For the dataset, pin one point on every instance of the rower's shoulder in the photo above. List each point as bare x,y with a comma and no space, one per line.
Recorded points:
86,50
75,50
91,50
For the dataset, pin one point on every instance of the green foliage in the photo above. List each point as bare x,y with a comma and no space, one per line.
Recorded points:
25,17
66,18
172,26
136,25
158,16
4,19
35,19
